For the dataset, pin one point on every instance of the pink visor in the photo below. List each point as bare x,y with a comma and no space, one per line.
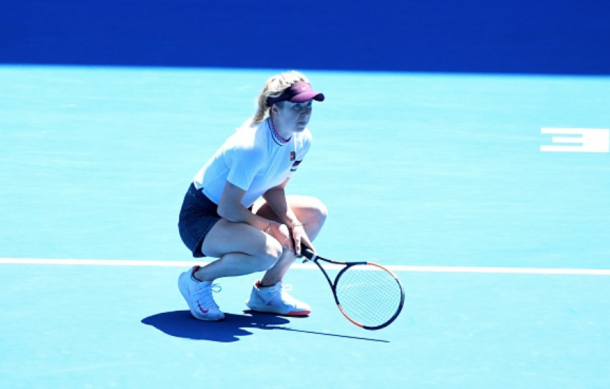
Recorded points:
298,93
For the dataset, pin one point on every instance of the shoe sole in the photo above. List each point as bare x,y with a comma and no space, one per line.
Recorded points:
187,296
290,313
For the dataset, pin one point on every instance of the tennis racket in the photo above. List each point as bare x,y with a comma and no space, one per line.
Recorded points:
367,294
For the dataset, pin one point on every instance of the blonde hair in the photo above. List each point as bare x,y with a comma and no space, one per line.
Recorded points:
274,87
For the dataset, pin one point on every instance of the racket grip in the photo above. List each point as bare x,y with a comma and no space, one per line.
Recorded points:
309,255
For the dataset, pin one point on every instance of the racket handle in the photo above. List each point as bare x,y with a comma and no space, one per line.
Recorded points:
309,255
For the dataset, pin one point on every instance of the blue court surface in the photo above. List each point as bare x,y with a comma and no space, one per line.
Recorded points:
498,229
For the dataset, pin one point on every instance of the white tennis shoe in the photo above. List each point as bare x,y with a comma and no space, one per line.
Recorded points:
275,299
198,296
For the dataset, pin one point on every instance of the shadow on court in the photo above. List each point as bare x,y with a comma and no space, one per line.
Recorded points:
182,325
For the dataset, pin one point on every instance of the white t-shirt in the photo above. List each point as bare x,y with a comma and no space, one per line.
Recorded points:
253,160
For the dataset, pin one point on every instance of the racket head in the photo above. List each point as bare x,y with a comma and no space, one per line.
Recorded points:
369,295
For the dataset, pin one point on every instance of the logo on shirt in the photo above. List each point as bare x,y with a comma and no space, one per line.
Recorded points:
293,155
295,165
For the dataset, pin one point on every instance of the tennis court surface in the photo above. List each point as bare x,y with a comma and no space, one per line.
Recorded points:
497,228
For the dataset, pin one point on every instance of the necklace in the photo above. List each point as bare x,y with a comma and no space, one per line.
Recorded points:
277,137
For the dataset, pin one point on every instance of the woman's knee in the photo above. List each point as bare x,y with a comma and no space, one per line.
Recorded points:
268,256
318,212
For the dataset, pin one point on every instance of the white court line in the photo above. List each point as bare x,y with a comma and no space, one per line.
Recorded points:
395,268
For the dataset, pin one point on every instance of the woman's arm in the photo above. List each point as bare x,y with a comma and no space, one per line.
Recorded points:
276,199
231,209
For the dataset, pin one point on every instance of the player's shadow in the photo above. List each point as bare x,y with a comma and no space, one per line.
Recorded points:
181,324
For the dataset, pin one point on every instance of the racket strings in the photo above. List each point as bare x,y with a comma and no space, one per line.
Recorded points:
369,295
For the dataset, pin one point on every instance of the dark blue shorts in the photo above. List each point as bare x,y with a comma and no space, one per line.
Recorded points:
197,217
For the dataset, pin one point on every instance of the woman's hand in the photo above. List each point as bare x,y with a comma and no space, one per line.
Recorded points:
291,238
299,238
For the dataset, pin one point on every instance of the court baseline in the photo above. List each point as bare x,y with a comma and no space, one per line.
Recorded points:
395,268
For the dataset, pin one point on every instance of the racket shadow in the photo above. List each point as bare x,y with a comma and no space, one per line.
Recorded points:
312,332
335,335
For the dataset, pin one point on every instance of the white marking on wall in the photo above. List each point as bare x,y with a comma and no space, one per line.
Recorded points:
587,140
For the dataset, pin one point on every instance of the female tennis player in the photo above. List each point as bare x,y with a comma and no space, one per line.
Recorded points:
237,209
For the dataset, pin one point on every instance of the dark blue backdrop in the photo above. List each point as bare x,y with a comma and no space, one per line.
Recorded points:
513,36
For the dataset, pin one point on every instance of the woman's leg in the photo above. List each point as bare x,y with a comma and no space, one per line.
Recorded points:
311,212
241,249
